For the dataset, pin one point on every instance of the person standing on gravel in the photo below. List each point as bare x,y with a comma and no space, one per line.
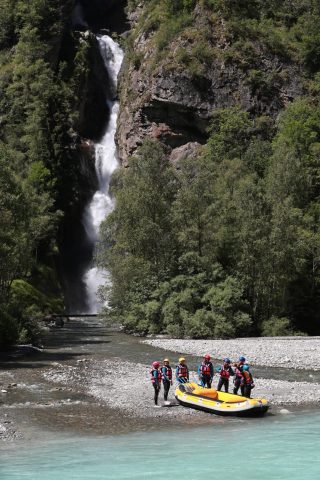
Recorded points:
182,371
206,371
155,374
225,372
166,371
247,383
238,374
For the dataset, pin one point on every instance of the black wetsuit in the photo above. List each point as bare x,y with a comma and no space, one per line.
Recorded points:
156,382
224,380
156,392
237,379
206,378
247,384
166,371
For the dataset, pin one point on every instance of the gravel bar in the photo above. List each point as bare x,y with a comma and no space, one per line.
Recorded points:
127,387
286,352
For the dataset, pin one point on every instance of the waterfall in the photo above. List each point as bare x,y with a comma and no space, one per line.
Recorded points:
106,162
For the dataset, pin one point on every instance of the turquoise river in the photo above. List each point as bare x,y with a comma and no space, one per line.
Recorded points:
277,447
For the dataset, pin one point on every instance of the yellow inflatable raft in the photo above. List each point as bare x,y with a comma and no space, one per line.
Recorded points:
221,403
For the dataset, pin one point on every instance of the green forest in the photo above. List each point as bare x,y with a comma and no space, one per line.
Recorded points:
40,84
227,244
223,245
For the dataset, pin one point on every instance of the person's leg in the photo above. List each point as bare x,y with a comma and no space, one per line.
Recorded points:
156,393
226,385
205,380
247,391
166,388
236,382
220,383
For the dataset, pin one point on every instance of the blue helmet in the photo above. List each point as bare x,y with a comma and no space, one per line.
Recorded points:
242,359
246,367
227,360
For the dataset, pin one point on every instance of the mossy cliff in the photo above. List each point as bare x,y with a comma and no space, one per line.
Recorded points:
187,58
216,226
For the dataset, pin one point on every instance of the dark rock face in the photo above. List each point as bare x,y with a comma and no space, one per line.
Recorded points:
166,101
108,14
75,250
94,111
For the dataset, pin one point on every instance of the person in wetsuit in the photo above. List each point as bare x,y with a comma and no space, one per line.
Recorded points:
225,372
182,371
247,383
238,366
166,372
155,374
206,371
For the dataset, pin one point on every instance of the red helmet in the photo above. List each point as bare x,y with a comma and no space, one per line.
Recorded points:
156,364
207,356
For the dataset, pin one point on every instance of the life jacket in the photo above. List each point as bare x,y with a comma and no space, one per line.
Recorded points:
206,369
166,372
182,371
247,378
224,372
238,370
157,378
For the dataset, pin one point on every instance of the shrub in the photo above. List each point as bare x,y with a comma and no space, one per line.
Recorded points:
276,327
175,331
199,325
9,329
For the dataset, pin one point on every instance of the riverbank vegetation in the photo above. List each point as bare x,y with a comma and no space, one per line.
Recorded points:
229,243
222,245
226,244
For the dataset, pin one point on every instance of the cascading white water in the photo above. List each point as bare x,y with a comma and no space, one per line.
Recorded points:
106,162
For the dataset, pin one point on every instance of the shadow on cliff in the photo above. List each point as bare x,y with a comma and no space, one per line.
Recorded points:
106,14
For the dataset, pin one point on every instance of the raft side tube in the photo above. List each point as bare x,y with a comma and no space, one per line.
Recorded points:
220,403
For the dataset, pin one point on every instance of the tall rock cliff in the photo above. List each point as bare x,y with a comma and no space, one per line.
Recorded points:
183,63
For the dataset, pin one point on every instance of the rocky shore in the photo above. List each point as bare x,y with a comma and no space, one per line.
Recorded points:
8,429
126,386
287,352
92,380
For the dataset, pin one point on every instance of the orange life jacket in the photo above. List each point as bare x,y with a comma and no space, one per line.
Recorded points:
182,371
247,378
206,369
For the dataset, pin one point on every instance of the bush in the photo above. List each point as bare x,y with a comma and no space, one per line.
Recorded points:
199,325
276,327
9,329
175,331
26,300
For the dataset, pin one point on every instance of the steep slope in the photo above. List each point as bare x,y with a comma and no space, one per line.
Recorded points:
187,58
227,243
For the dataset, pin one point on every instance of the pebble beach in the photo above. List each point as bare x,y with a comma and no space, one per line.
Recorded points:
287,352
104,381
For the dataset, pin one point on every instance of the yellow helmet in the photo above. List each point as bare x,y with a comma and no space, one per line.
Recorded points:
182,359
166,360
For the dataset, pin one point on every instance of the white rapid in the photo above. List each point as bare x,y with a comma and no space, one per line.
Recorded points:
106,162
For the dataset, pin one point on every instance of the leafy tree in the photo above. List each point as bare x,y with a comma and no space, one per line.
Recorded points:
139,228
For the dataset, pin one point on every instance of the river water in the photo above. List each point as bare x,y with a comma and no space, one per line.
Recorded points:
278,448
70,436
